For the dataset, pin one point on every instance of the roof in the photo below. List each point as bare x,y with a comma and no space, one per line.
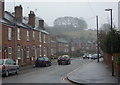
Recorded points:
11,20
61,40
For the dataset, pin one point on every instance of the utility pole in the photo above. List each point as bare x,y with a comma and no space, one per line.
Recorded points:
97,39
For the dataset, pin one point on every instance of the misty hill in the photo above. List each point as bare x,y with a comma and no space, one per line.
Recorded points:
73,33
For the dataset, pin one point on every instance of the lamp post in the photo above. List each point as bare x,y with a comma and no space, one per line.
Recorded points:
111,41
110,15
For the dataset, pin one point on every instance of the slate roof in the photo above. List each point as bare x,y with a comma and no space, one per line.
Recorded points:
11,20
61,40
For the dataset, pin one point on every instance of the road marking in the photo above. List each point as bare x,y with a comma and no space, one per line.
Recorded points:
64,80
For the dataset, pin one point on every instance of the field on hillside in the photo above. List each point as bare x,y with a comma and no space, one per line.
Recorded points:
83,34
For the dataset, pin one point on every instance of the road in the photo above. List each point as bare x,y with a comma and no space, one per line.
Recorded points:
53,74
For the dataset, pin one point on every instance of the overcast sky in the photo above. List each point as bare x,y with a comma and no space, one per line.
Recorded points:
49,11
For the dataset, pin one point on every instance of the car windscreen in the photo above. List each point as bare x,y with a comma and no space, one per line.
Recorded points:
1,61
40,59
46,58
64,57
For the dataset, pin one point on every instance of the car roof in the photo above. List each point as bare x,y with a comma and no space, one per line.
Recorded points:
5,59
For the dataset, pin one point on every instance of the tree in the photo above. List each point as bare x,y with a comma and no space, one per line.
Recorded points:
110,42
70,22
105,27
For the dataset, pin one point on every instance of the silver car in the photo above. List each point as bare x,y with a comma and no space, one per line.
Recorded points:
8,66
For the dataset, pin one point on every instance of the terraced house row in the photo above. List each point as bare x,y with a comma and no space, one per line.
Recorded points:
21,39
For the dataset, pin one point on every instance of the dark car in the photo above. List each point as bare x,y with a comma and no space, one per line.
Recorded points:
42,61
8,66
95,56
65,59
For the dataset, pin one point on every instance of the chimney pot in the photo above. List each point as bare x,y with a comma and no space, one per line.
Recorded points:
31,19
41,24
18,13
2,8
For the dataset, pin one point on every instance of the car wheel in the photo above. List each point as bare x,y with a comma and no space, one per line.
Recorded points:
69,62
46,65
59,64
50,64
36,65
6,73
16,71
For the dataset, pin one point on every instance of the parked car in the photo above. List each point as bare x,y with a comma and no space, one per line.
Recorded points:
42,61
95,56
85,56
65,59
8,66
89,55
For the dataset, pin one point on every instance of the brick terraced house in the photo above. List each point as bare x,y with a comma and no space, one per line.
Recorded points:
22,40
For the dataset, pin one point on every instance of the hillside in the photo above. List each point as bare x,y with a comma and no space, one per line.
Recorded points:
82,34
73,33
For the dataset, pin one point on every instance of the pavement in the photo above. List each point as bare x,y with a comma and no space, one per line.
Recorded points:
93,73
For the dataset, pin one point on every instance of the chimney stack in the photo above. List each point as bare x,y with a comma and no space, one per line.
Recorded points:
31,21
1,8
18,13
41,24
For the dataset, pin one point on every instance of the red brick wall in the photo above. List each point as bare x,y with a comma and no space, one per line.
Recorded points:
1,8
108,61
0,41
23,60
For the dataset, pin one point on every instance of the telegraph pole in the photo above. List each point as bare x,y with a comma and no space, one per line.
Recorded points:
97,39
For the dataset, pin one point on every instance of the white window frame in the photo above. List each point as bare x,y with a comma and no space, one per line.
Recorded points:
45,51
40,37
18,34
18,52
10,51
44,38
9,33
28,35
33,35
40,50
28,52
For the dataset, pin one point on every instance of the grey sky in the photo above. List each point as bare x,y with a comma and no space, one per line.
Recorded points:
49,11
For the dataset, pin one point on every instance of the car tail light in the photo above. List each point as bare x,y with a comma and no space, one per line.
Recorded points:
66,59
3,67
45,61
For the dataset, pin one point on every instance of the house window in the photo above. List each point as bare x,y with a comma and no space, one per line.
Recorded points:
10,52
18,51
9,33
0,51
40,36
28,52
33,35
33,50
45,51
28,36
40,50
44,36
18,34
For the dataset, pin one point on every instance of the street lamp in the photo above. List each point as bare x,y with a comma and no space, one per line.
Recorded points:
110,14
111,41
